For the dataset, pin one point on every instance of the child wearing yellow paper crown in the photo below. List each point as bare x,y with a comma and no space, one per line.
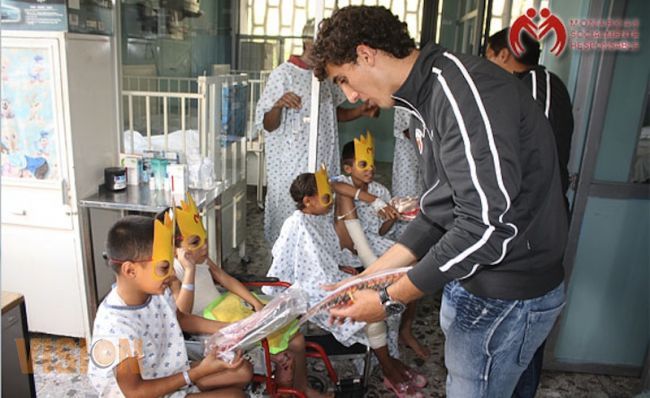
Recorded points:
195,292
137,339
309,255
363,217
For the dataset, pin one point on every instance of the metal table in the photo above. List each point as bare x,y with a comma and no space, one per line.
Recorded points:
139,199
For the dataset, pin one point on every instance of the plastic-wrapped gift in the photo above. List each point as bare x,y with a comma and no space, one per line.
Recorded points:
230,308
344,294
408,207
244,334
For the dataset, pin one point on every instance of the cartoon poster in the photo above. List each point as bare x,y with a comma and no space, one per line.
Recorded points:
28,118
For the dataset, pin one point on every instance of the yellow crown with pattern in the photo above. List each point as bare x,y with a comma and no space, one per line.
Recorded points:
189,221
163,243
364,151
323,186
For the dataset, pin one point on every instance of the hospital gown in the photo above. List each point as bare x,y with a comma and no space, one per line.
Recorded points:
287,147
368,217
307,254
149,331
407,173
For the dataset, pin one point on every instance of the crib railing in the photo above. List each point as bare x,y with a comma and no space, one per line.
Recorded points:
208,109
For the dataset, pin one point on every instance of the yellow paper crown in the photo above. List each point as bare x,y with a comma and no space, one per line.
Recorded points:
163,243
323,186
189,221
364,151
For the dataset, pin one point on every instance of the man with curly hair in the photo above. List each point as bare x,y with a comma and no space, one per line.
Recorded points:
492,227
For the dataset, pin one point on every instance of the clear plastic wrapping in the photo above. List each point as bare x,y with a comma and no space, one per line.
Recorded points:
244,334
408,207
344,294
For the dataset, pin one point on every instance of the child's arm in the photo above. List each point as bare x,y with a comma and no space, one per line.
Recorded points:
184,296
233,285
198,325
129,377
350,191
386,226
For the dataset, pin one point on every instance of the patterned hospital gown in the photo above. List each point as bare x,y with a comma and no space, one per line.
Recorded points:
368,217
152,333
307,254
287,147
407,173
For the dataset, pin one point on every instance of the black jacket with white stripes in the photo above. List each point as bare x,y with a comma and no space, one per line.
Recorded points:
493,215
552,95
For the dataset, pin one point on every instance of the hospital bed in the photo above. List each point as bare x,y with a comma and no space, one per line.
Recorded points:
203,117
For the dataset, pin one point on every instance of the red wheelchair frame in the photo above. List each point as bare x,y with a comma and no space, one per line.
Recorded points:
313,350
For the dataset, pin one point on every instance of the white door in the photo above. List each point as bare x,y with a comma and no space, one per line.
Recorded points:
40,244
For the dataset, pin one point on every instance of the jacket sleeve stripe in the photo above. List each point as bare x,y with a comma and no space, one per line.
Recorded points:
548,93
472,169
493,151
534,87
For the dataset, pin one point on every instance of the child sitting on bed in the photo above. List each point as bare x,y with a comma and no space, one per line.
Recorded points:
137,341
363,217
194,290
307,254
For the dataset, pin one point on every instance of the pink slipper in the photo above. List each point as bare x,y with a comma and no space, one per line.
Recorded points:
417,380
403,390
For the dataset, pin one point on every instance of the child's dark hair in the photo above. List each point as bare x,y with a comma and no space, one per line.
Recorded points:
531,53
347,154
129,239
303,185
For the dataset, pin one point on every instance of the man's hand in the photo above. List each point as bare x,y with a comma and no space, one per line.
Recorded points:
334,286
289,100
365,307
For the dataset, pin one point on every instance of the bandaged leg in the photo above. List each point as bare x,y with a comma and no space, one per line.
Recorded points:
361,244
376,333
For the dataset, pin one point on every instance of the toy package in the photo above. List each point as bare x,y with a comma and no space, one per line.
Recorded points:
344,294
244,334
408,207
280,313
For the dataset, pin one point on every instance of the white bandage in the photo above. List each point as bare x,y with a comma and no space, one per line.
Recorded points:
361,245
378,205
376,333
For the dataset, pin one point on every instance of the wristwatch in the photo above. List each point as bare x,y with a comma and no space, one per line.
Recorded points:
392,307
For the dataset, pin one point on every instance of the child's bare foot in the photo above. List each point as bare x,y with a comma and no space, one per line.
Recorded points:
406,337
395,372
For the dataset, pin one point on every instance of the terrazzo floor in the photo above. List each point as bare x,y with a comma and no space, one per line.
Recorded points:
60,363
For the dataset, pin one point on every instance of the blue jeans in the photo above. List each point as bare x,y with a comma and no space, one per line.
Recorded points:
489,342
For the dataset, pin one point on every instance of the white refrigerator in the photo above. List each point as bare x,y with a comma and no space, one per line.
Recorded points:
59,118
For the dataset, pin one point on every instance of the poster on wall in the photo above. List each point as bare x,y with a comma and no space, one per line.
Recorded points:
27,115
33,15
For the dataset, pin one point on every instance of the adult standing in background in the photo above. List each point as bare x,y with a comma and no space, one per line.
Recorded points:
553,98
283,112
546,88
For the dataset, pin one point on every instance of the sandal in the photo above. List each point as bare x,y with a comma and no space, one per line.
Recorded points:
417,380
403,390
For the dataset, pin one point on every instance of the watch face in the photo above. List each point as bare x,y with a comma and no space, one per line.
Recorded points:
394,308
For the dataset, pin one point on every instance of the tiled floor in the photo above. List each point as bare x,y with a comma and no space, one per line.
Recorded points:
60,363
